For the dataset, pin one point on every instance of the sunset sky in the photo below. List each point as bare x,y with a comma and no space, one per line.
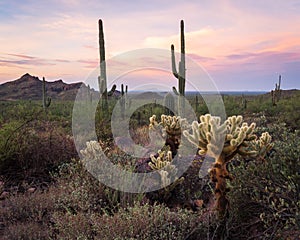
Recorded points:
242,44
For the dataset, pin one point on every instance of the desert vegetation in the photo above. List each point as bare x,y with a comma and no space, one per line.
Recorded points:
46,192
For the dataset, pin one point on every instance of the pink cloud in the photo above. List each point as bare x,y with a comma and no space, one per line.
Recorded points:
89,63
21,56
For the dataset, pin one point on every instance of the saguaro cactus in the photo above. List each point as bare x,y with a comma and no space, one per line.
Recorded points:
244,102
169,103
180,74
113,89
124,101
46,100
276,93
102,78
223,142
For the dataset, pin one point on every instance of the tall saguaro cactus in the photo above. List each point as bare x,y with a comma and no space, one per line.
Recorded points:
102,78
46,100
180,74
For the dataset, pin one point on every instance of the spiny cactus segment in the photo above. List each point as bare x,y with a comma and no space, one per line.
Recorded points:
170,125
223,141
162,162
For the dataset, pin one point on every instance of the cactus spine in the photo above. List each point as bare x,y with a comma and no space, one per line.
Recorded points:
46,100
180,74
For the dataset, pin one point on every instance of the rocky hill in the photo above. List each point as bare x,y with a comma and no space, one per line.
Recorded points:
30,88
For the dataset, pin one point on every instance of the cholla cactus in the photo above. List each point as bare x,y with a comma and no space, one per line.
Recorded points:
171,128
163,159
93,151
228,139
263,145
167,171
223,142
169,125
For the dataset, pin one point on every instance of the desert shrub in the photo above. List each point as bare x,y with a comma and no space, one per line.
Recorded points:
30,150
291,109
27,207
26,231
86,209
19,110
77,191
136,222
72,226
25,216
232,105
64,210
265,195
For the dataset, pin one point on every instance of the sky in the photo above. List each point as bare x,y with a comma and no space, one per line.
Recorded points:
241,45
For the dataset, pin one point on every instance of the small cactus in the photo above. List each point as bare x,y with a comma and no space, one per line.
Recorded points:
124,101
276,93
162,162
244,102
46,100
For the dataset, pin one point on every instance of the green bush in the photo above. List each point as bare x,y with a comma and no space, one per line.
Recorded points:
266,195
29,150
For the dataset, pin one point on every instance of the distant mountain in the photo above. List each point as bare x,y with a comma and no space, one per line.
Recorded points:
30,88
147,95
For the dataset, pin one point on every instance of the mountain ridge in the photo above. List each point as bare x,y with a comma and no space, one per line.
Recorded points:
29,87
